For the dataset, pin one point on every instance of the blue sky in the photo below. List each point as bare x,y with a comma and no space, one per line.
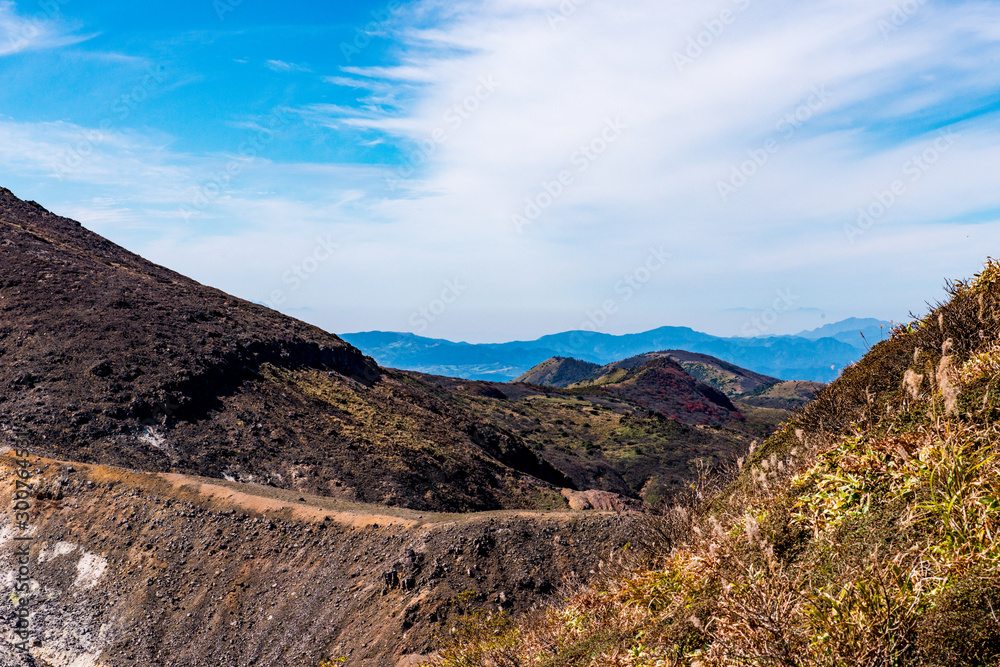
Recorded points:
488,171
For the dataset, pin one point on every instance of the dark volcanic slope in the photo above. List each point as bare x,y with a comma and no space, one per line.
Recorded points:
108,358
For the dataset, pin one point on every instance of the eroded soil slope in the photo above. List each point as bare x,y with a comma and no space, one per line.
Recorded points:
151,569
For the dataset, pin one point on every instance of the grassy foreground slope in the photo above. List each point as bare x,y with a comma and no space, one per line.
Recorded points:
863,533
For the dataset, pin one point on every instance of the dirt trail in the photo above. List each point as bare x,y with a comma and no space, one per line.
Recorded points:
302,511
276,502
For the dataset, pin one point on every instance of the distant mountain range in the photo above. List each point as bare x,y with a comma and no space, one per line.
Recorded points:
817,355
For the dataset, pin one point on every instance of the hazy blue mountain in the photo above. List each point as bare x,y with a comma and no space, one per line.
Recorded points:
498,363
850,331
817,358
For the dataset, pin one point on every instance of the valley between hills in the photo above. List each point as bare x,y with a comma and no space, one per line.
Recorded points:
211,480
232,476
194,479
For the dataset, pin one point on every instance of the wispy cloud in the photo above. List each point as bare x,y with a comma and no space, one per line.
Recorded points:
282,66
746,68
349,82
487,107
44,30
403,73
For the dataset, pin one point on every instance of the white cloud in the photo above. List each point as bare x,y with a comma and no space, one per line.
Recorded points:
44,30
282,66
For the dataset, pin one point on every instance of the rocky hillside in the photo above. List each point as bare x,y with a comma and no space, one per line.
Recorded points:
113,360
864,532
130,569
108,358
202,473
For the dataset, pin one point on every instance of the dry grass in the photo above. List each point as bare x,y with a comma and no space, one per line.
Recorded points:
863,533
